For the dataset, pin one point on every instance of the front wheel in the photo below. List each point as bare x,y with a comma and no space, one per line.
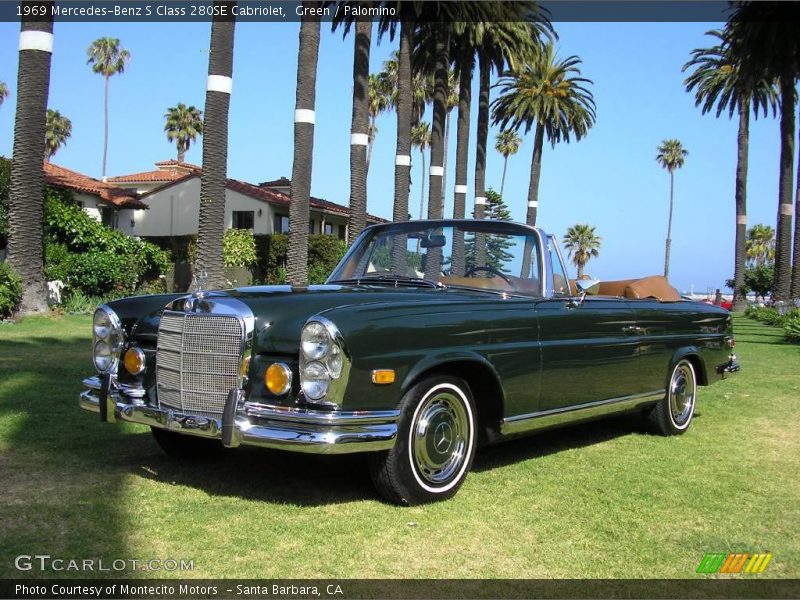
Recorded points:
435,444
673,414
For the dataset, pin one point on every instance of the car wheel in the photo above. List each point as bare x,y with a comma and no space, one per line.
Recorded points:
673,414
435,444
186,446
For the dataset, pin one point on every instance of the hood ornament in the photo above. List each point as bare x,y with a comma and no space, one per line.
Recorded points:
199,281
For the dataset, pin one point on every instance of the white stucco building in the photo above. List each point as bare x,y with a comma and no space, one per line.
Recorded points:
171,194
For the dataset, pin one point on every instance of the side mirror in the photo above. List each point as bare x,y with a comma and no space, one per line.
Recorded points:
590,287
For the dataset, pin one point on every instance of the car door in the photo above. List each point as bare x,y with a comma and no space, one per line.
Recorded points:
588,351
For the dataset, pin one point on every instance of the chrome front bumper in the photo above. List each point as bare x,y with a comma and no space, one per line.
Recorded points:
253,424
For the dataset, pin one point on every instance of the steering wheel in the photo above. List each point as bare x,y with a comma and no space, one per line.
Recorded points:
502,276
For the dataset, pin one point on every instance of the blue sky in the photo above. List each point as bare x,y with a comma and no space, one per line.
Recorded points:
610,179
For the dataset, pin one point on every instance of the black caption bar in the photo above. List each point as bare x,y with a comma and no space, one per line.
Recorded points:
222,589
291,10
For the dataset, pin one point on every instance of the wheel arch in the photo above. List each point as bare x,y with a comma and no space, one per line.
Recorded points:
694,356
484,383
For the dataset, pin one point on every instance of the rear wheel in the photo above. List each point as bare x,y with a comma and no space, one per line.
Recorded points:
435,444
186,446
673,414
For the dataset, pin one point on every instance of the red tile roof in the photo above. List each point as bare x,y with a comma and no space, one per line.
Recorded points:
263,192
61,177
168,170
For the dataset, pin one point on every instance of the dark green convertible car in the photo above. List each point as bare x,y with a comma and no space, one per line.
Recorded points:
430,339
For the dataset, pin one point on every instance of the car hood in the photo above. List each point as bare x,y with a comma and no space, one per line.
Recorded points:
281,310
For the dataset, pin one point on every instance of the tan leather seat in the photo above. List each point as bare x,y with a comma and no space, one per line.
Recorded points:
654,286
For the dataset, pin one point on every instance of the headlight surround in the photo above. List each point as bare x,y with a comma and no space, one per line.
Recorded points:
323,362
109,339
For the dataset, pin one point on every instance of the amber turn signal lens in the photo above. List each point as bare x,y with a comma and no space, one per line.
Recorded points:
383,376
278,378
134,361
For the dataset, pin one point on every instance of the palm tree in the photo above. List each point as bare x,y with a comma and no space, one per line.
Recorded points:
717,81
765,38
184,124
505,43
671,156
58,131
552,94
3,92
26,194
379,102
300,191
215,151
359,128
507,143
760,245
107,58
421,139
582,244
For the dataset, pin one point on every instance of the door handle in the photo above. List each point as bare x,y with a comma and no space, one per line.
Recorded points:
632,329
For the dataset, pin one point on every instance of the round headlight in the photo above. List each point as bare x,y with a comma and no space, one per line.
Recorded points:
102,356
315,380
102,324
335,362
315,340
134,361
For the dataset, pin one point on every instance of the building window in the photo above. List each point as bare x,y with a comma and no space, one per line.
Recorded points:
243,219
281,224
311,226
328,228
108,217
342,232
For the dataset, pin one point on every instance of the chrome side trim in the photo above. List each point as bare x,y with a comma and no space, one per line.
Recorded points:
559,416
297,430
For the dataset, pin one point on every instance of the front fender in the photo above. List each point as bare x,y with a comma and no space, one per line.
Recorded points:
440,360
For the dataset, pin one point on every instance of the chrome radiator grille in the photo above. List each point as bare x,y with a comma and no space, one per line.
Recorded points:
197,361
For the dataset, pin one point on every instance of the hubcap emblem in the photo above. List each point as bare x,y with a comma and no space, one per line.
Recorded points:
443,437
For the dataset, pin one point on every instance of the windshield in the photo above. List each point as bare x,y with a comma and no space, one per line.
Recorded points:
486,255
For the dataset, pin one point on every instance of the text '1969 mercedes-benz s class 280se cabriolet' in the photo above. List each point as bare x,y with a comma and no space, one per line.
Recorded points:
429,340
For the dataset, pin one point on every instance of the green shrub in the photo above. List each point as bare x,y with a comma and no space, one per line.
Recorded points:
97,273
10,291
238,248
324,253
791,329
56,261
68,224
78,303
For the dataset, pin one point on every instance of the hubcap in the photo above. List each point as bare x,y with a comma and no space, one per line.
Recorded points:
439,439
681,394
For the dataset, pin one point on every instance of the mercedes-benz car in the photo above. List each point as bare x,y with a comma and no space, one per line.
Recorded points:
429,340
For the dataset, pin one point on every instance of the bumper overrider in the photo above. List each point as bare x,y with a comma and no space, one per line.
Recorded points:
249,423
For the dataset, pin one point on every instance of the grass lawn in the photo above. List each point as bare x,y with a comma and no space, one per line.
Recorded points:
601,500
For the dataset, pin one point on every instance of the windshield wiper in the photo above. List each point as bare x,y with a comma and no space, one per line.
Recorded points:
397,280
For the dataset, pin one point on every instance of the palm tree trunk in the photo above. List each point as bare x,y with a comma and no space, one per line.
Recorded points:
105,130
482,133
402,160
359,131
371,141
668,244
422,186
781,287
300,191
795,290
743,139
181,155
462,156
444,158
503,180
536,173
440,93
215,154
26,194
